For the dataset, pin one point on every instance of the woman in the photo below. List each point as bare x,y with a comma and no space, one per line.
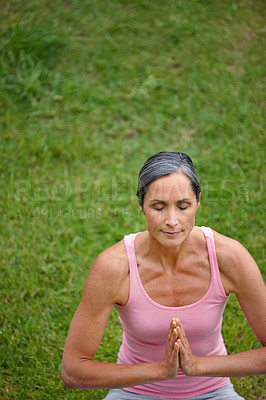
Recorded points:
169,285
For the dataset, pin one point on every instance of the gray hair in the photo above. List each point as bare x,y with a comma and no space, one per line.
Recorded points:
165,163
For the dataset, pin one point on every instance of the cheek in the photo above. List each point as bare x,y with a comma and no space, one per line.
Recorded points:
187,218
153,217
190,216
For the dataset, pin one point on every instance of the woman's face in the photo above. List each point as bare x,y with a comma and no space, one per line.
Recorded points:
170,206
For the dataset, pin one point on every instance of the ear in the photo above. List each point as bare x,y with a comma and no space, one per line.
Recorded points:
198,204
141,209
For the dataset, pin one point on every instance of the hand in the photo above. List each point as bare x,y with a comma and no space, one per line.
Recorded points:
188,361
170,363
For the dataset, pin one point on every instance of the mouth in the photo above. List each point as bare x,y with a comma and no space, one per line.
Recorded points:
170,234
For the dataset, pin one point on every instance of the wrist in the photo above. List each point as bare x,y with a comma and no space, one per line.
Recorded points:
193,368
196,366
163,371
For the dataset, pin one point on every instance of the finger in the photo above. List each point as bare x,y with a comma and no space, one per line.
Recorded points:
173,325
181,348
181,332
176,321
181,337
173,337
170,331
176,347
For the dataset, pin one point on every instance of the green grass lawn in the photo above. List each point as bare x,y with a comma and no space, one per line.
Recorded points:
88,91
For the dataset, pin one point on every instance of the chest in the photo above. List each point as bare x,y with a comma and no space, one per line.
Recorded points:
183,285
156,297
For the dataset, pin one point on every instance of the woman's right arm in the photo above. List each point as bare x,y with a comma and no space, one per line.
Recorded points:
79,370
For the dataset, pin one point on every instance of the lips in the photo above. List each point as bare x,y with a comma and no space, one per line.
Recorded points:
170,234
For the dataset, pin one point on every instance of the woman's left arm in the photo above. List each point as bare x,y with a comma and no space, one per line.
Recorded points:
240,275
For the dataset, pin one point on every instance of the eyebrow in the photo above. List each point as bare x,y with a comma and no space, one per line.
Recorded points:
187,199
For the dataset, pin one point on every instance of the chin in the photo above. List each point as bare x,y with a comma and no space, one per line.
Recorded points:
168,241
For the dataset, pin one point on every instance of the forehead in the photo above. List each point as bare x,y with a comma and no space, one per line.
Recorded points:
176,185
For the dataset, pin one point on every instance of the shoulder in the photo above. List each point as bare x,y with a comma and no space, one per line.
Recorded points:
237,266
109,272
229,251
112,262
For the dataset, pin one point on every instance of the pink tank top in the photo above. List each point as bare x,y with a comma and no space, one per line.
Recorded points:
145,324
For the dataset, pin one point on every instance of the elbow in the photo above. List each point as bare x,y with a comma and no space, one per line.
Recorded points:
74,377
68,378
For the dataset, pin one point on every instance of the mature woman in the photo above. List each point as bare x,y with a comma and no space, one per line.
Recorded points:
169,285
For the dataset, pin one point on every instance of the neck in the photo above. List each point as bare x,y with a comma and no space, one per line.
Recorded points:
168,257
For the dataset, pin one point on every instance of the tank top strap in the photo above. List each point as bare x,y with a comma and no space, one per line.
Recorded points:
129,241
215,271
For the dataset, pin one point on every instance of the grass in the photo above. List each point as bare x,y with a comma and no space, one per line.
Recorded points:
88,91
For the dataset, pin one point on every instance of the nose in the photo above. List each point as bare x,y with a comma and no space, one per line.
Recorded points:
171,218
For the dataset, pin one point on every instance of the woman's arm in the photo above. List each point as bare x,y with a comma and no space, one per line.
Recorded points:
246,363
240,275
104,286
